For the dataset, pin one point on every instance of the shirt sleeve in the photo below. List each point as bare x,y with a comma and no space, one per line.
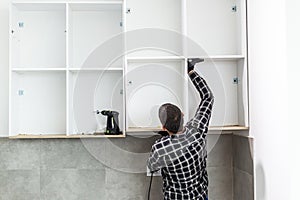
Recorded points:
202,116
153,162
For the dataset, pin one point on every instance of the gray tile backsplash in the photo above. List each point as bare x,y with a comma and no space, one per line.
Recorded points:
81,184
243,185
220,154
109,169
220,183
67,154
19,184
19,154
242,153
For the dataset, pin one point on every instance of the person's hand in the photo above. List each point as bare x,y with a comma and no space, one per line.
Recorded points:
191,63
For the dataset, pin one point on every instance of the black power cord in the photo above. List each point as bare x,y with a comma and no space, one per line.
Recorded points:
149,191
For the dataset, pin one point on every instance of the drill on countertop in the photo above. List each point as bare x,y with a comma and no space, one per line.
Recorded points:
112,124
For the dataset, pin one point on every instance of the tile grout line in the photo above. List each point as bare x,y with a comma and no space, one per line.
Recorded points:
232,167
244,171
237,168
40,160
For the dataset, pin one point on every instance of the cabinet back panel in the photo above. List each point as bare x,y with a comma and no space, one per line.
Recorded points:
214,26
40,39
154,14
219,76
41,109
89,30
149,85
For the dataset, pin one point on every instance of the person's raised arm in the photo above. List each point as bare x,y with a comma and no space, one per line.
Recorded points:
201,119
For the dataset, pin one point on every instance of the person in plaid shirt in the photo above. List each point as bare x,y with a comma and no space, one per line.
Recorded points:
181,154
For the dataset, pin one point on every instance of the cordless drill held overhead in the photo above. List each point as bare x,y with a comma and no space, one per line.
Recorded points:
112,124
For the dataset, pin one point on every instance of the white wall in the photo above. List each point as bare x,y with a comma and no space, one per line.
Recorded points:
293,50
268,97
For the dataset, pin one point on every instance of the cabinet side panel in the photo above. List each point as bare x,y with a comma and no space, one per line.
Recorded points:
15,37
243,92
241,36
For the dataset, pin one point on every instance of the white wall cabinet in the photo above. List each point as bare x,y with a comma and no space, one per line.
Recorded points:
55,88
51,93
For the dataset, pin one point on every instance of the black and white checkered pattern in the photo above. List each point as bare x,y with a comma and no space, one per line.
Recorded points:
182,157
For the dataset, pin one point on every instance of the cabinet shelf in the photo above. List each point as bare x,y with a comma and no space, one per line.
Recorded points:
155,58
37,69
131,131
224,57
95,69
96,6
228,128
148,134
143,129
177,58
211,128
63,136
96,136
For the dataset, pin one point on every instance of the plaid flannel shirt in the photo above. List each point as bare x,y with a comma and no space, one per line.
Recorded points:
182,157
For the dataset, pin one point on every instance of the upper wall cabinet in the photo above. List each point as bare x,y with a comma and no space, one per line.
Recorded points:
56,85
69,60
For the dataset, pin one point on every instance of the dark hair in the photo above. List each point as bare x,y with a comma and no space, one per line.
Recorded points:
171,117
